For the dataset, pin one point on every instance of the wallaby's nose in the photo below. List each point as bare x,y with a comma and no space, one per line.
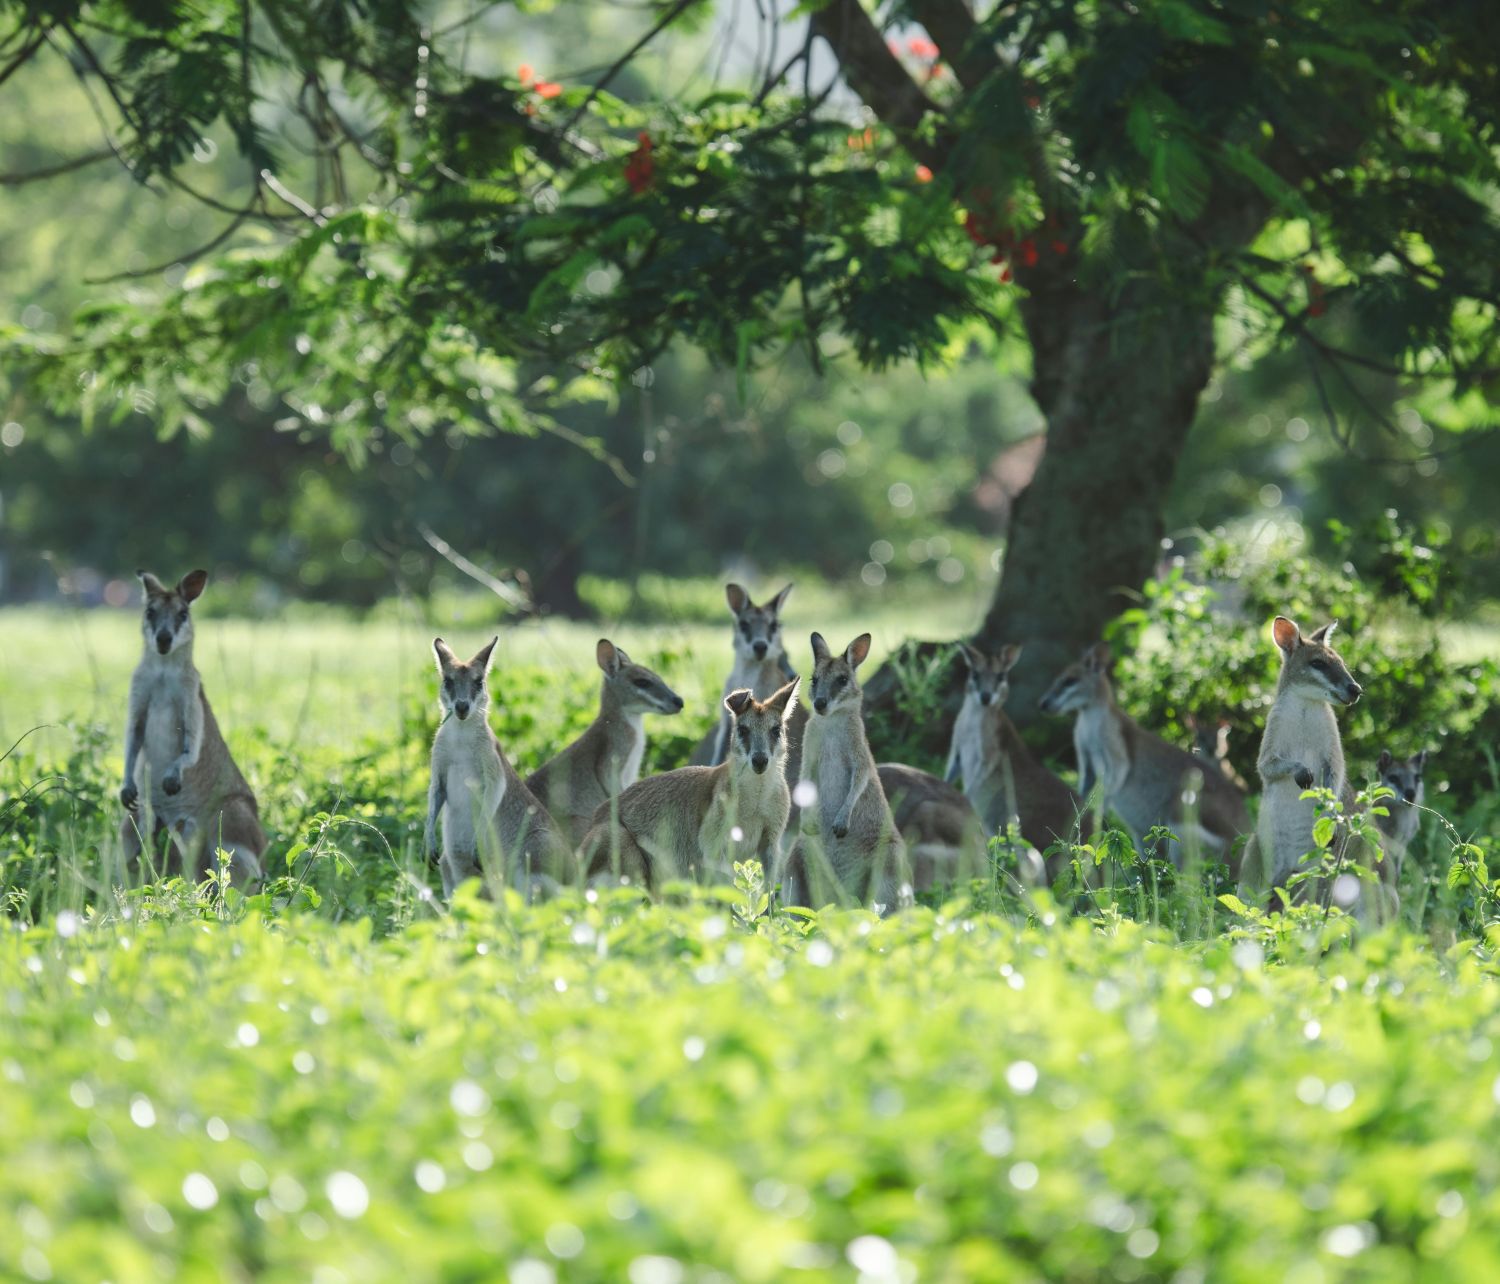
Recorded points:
163,641
461,707
760,650
986,697
759,761
1410,795
1355,691
821,705
677,703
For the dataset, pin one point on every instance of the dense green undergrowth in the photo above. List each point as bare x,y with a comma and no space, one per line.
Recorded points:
609,1090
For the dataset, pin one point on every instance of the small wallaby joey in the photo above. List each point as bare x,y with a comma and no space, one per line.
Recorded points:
606,758
1299,749
1144,779
1002,778
695,822
760,666
1403,776
174,753
493,826
849,844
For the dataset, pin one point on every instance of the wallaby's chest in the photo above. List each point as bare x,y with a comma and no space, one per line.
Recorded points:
1306,732
473,778
169,697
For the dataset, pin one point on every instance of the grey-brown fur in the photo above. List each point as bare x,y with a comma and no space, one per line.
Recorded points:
175,756
683,823
493,825
1001,777
606,759
1142,778
760,666
1300,748
1403,776
848,845
943,834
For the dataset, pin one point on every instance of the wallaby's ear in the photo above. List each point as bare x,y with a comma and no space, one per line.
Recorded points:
485,654
445,657
973,657
1322,635
610,658
1097,658
738,701
777,602
1385,761
1285,634
783,701
737,598
151,584
1419,761
191,585
819,648
857,650
1007,656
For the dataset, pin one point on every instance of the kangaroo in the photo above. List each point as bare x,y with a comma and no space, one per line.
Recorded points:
1142,778
1399,827
1299,749
1002,778
941,829
697,821
491,821
175,752
606,758
849,843
760,666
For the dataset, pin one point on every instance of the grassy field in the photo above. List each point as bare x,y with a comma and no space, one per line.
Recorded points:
344,1079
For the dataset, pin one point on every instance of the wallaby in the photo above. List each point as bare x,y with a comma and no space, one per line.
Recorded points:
1299,749
697,821
606,758
1140,776
944,836
1211,743
174,752
849,844
1002,777
1403,776
493,826
760,666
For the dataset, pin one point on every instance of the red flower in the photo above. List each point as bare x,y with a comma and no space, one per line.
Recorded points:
921,47
524,73
1028,253
924,175
640,168
1004,276
548,88
1059,248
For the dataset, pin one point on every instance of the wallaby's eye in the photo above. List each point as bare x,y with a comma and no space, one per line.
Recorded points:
843,680
745,627
775,732
745,735
448,684
643,683
1320,665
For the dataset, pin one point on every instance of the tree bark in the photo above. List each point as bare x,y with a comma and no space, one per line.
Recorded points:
1118,383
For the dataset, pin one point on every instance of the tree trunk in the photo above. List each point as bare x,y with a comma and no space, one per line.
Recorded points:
1118,383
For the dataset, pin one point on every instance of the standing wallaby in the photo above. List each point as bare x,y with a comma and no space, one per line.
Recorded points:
606,758
849,844
1140,776
944,836
697,821
1399,826
493,826
1002,777
760,667
174,752
1300,749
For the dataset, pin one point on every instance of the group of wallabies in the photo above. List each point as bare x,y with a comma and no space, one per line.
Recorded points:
799,792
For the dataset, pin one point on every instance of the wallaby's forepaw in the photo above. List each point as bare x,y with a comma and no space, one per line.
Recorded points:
171,783
1303,777
840,830
129,796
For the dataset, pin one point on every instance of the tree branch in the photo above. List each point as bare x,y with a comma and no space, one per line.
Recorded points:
53,171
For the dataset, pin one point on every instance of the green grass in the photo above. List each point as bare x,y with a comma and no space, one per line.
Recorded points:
343,1079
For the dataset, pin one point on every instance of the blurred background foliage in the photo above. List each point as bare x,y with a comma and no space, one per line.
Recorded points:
898,477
